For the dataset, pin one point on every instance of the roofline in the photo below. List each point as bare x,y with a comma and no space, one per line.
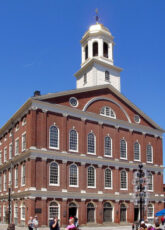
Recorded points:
14,119
95,60
111,88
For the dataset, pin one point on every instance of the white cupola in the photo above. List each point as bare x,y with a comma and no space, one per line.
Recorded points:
97,66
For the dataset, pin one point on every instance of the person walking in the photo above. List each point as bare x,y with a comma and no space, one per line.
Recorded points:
35,223
54,225
30,223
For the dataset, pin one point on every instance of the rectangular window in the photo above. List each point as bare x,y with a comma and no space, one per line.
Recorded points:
10,151
16,177
23,175
23,142
5,154
4,182
16,146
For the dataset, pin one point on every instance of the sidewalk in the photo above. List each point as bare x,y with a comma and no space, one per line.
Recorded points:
117,227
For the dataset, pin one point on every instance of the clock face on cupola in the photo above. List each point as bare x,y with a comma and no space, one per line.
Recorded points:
97,65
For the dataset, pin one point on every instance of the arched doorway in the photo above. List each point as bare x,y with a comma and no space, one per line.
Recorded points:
107,212
90,213
72,209
123,213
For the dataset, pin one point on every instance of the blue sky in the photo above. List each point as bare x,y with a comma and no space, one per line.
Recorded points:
40,49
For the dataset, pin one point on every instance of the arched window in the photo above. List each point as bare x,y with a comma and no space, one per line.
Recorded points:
73,177
73,138
123,149
105,49
91,143
54,210
123,180
86,52
150,181
108,112
91,177
107,146
107,212
53,137
107,77
108,178
53,174
136,151
95,49
149,153
150,212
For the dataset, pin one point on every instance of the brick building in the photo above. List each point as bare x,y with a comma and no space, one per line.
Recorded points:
74,153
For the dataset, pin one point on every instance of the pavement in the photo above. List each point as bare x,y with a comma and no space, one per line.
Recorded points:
107,227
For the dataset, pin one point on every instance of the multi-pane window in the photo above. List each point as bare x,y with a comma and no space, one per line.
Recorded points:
0,183
108,112
123,179
0,157
5,154
150,182
136,151
123,149
54,174
16,177
91,143
54,137
73,139
10,150
23,175
73,177
107,146
9,177
23,212
150,212
91,177
149,153
53,210
16,146
23,141
4,182
108,178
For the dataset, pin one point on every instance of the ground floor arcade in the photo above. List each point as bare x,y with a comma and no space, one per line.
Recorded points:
87,211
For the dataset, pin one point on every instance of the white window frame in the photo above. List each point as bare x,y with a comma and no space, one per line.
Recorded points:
70,185
16,178
105,155
151,190
58,178
5,154
58,206
123,158
10,150
16,140
23,144
123,170
111,178
58,142
4,182
139,151
23,177
72,150
88,186
94,153
150,162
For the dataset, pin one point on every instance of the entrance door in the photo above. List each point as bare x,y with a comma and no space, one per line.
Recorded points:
123,213
90,212
72,210
107,212
136,214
